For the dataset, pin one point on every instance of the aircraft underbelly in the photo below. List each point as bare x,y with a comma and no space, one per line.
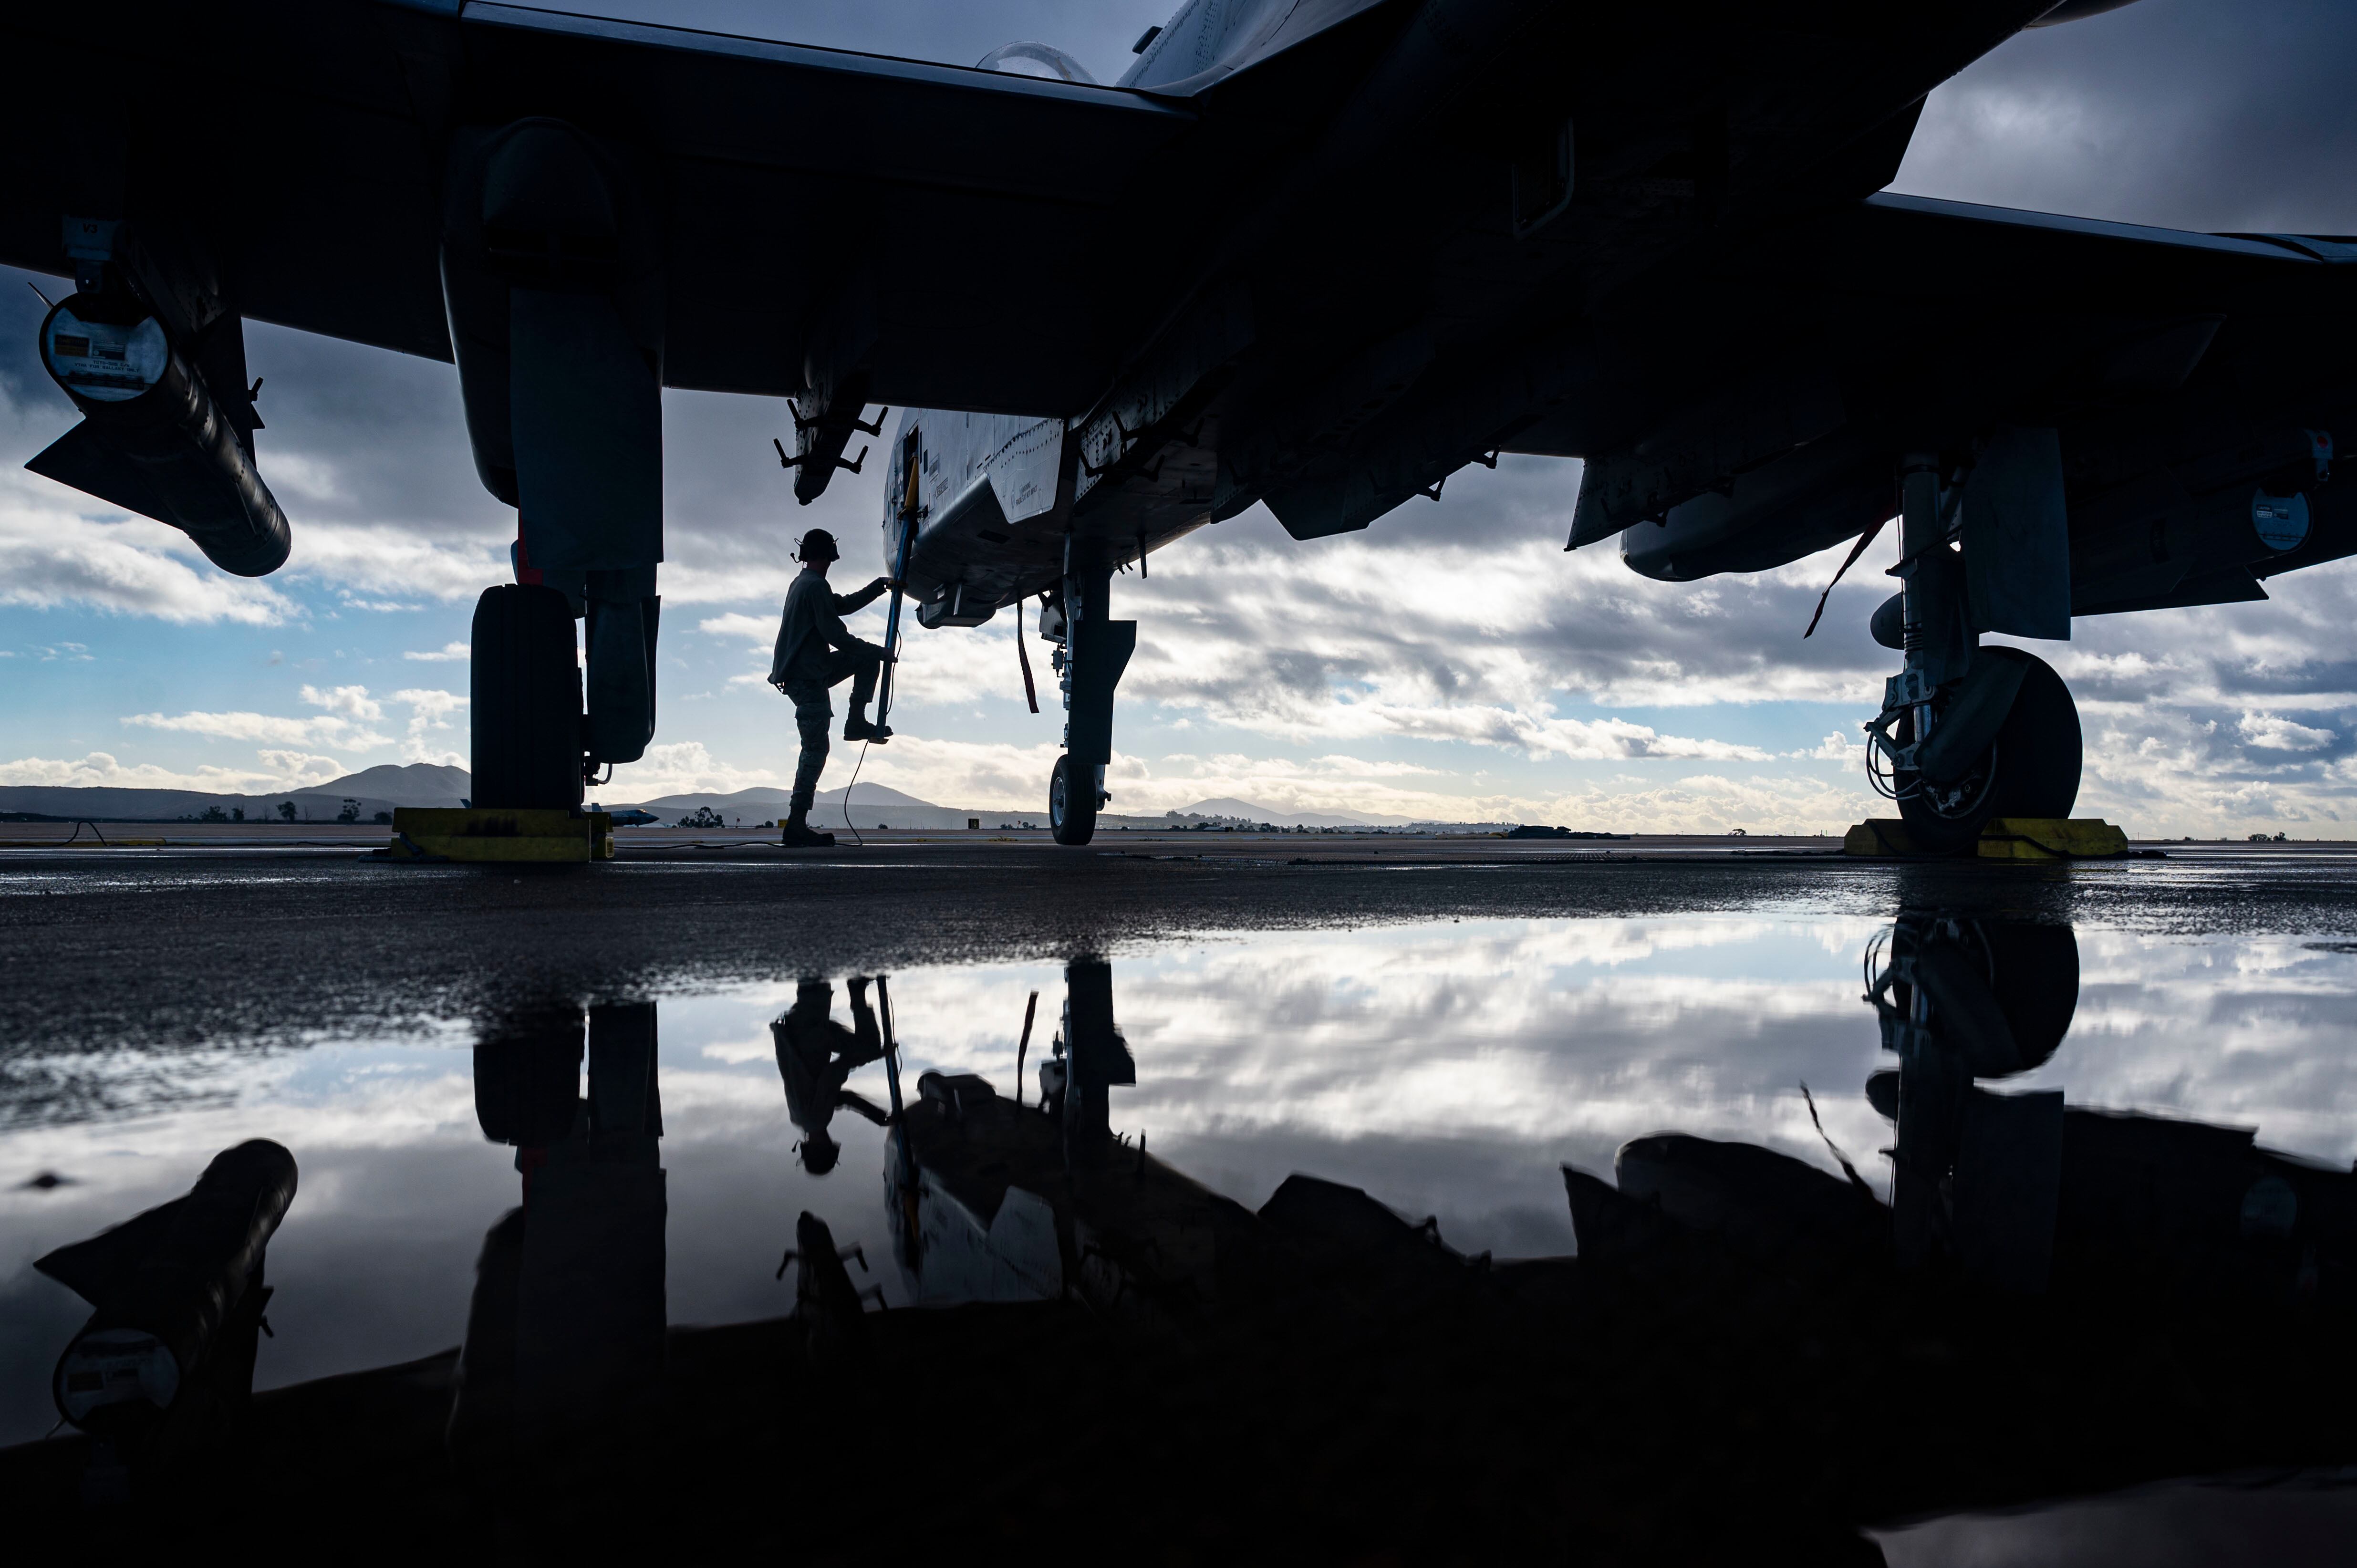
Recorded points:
991,523
985,488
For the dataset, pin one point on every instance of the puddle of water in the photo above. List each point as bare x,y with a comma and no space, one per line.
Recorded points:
1448,1070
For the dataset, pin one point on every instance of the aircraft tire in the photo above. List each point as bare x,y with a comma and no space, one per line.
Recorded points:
1071,804
525,699
2035,974
2038,753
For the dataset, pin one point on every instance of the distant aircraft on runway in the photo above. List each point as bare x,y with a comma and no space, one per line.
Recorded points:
1318,254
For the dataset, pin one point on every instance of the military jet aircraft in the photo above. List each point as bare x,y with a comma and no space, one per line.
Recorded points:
1318,254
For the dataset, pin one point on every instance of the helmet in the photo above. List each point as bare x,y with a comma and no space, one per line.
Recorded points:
818,544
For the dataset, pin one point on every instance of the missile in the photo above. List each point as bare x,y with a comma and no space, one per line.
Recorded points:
153,438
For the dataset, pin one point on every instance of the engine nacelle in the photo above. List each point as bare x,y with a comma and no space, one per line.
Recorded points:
154,439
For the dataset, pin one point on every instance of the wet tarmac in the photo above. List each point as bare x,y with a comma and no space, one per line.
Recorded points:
1290,1195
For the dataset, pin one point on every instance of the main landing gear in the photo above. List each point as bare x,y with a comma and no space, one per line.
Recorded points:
2029,767
1092,652
1967,735
524,700
535,741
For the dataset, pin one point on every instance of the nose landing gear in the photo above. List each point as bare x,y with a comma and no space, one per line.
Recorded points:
1088,666
1074,792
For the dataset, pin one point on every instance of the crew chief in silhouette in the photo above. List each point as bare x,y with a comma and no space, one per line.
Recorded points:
814,651
815,1056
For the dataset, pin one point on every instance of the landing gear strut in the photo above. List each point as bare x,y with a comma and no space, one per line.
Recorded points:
1967,734
1089,666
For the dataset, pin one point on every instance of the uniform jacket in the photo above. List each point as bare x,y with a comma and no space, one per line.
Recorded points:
814,622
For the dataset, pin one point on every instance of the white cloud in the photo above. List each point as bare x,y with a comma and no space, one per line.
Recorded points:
716,572
52,557
352,701
291,474
393,558
2281,734
429,710
298,768
328,729
752,628
101,770
988,774
349,710
680,767
448,653
1536,734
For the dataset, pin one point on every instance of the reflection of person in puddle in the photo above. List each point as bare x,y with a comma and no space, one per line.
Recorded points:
815,1056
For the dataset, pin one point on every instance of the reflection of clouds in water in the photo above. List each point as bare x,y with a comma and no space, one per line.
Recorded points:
1444,1069
1572,1038
2254,1032
1499,1049
86,1086
1448,1069
1570,1035
375,1259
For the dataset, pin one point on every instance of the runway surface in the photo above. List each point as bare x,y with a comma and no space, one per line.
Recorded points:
1446,1024
272,941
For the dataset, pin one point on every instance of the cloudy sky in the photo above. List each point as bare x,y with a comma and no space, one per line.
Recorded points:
1451,661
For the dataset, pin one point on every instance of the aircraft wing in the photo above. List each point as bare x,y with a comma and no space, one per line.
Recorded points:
301,142
1774,361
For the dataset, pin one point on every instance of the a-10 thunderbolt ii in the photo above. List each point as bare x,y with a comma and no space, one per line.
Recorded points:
1318,254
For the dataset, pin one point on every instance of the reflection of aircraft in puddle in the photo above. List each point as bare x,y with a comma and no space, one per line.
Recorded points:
2042,1272
1959,1000
1733,1369
2017,1189
999,1200
164,1367
566,1333
1002,1201
2006,1190
816,1056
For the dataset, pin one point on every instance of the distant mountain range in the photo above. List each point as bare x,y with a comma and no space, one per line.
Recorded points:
412,784
876,805
383,787
372,790
1244,811
872,806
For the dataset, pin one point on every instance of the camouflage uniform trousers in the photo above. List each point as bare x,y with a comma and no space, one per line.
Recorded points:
813,713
